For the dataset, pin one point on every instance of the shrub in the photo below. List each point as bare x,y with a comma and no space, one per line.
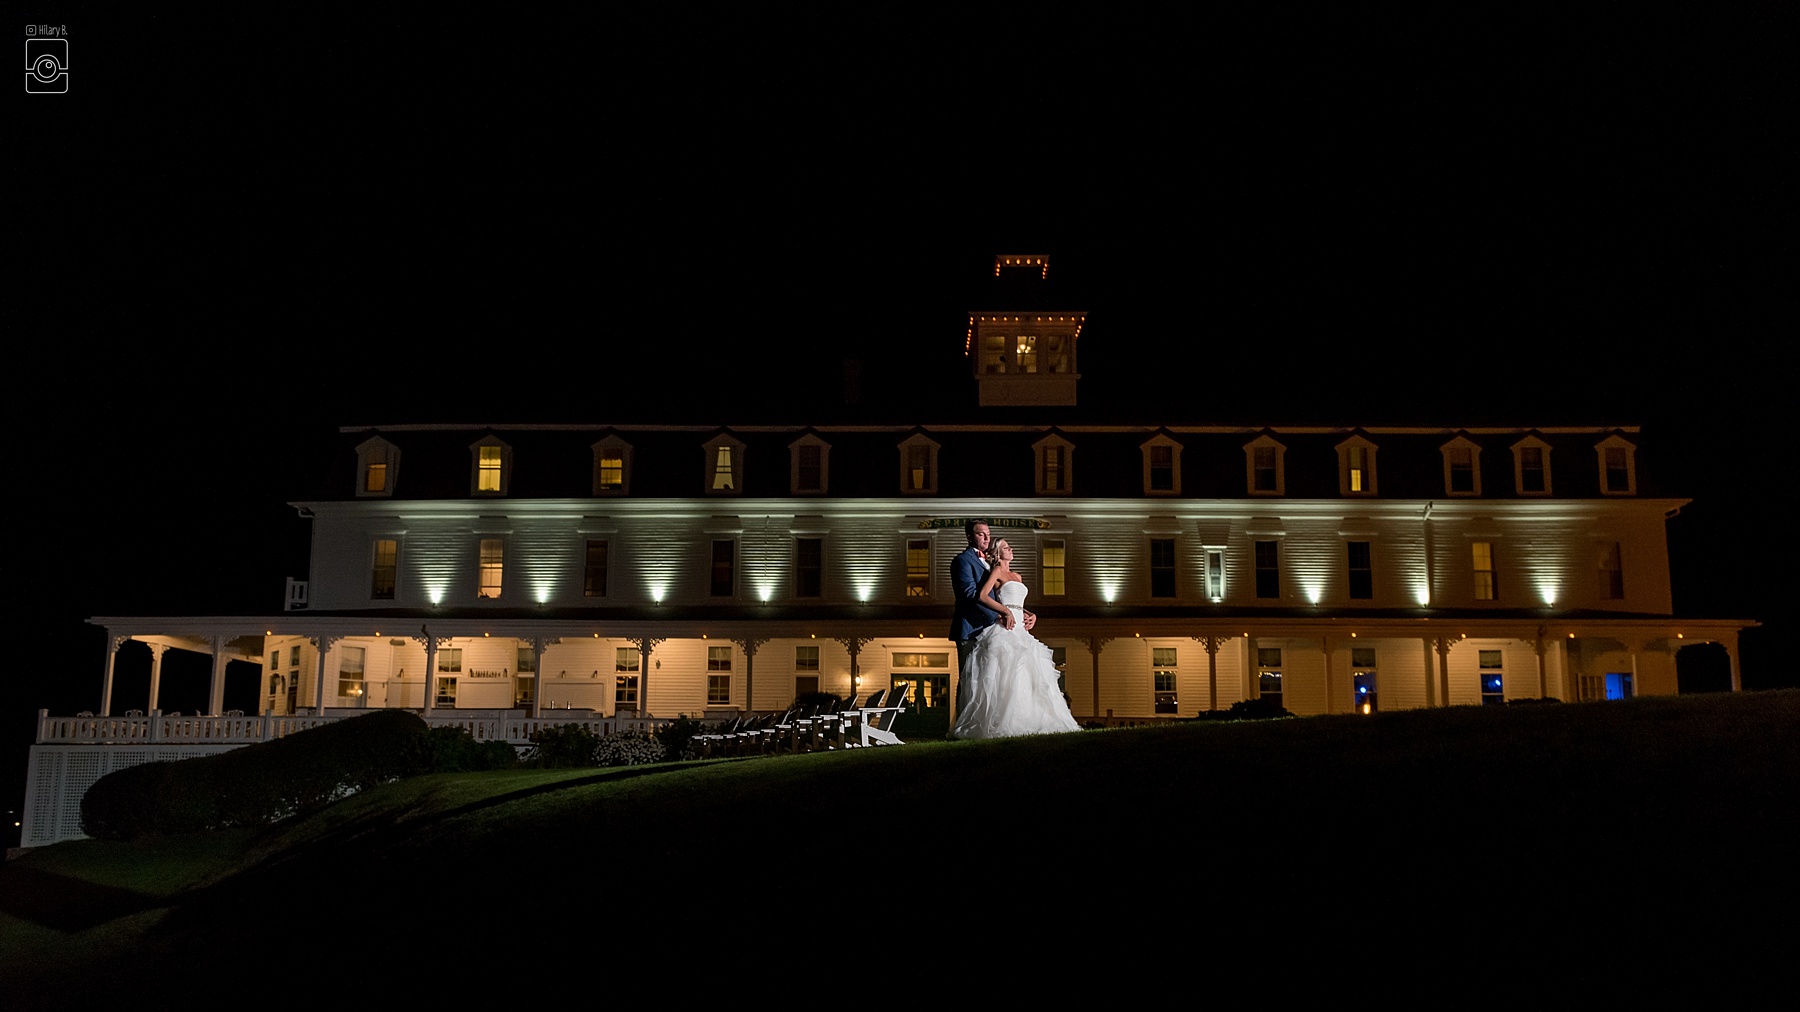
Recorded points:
257,785
448,749
567,746
562,746
1259,708
677,736
628,748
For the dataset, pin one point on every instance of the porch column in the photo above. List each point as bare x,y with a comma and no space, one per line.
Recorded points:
156,652
645,645
324,644
1430,675
431,649
1247,664
215,697
1731,653
1538,646
1211,645
1635,647
855,643
1444,643
643,700
1096,644
1330,687
750,644
1558,647
113,643
537,677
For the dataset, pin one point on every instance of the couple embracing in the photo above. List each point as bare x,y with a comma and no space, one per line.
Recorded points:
1008,684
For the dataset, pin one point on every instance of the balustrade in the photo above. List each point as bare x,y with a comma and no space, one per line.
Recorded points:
245,730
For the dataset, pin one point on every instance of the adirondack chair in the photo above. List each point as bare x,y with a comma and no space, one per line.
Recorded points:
828,729
772,735
797,734
745,738
804,732
715,742
878,721
845,727
856,715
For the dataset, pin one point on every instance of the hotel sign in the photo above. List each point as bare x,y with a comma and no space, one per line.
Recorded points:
1030,523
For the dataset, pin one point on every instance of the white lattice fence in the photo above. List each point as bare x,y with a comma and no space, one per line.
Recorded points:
59,775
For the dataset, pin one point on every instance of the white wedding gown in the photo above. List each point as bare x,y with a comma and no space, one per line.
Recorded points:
1012,681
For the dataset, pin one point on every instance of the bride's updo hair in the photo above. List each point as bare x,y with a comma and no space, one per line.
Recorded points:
993,552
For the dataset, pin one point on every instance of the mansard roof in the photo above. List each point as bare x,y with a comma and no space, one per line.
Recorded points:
987,459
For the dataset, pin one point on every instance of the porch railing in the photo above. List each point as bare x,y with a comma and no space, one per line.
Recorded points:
484,725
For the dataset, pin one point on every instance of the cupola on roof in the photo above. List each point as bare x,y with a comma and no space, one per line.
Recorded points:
1022,351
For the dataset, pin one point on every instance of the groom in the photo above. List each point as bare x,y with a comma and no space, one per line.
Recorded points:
967,572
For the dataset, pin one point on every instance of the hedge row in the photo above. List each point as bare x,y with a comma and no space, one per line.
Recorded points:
260,784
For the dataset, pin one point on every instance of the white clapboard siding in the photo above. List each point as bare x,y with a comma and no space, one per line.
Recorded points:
1125,679
1400,673
662,552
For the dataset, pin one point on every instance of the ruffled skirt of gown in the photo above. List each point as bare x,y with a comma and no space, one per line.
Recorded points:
1012,687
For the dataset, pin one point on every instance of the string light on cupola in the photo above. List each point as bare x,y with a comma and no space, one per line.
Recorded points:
1042,263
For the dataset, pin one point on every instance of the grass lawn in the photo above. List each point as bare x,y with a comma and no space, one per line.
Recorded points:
1317,849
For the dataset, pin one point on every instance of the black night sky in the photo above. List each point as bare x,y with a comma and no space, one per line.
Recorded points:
238,230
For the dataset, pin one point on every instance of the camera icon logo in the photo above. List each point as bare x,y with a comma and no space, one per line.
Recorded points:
46,66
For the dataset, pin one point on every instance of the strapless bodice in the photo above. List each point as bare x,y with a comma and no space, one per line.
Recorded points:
1012,594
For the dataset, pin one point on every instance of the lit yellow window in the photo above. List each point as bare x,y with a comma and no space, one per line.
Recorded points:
488,475
493,553
1053,569
1486,586
722,476
918,568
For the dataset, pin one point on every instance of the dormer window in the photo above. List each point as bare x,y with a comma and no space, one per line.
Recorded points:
612,466
1162,465
487,469
724,466
809,465
1053,454
377,468
1265,466
1531,466
1356,467
918,465
1618,466
1462,467
490,462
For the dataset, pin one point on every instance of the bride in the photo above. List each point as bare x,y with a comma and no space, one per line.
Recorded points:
1012,679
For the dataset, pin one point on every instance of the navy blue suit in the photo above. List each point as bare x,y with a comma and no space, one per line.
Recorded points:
967,573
